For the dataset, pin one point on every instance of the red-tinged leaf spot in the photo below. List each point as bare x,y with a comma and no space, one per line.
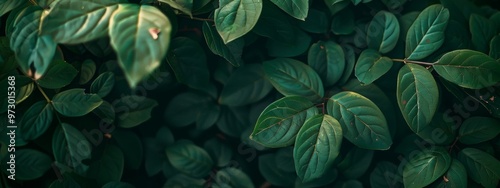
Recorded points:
108,136
154,32
322,47
492,98
404,102
427,41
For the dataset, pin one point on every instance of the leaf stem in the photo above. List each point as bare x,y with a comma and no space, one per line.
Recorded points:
453,145
414,62
43,93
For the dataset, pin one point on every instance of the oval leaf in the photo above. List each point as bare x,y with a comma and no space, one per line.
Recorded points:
231,51
383,32
29,164
233,177
456,176
292,77
109,167
70,148
137,110
328,60
75,102
87,71
481,166
482,30
475,130
371,66
36,120
426,34
468,69
103,84
235,18
317,145
362,121
189,158
245,86
296,8
185,6
280,122
385,174
426,167
417,95
140,35
58,75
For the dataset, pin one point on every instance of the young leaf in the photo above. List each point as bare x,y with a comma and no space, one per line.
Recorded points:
233,177
482,31
245,86
30,164
456,176
185,6
136,110
481,166
475,130
231,51
426,34
133,25
383,32
235,18
295,8
327,59
280,122
292,77
103,84
417,95
426,167
36,120
189,159
32,50
58,75
74,102
362,121
371,66
468,69
87,71
70,148
78,21
317,145
109,167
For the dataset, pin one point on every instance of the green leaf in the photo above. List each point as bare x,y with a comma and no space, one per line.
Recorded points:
185,6
184,181
219,152
386,174
284,159
299,45
495,47
405,22
131,146
292,77
317,145
233,177
417,96
482,31
327,59
136,110
481,166
233,121
426,167
468,69
78,21
180,110
475,130
295,8
235,18
383,32
355,163
393,4
231,51
8,5
350,57
132,26
74,102
36,120
189,159
70,148
106,112
32,50
109,167
58,75
29,164
315,22
270,171
456,176
67,181
362,121
343,22
275,24
103,84
426,34
280,122
87,71
117,184
245,86
336,5
371,66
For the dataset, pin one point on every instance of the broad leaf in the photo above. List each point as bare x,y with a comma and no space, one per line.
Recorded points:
32,50
185,6
280,122
109,167
456,176
8,5
78,21
189,159
140,35
468,69
371,66
233,121
103,84
87,71
270,171
426,34
74,102
299,45
495,47
362,121
233,177
475,130
296,8
481,166
180,110
70,148
131,146
133,110
386,174
29,164
417,96
350,58
355,163
394,4
58,75
317,145
315,22
482,31
220,152
36,120
231,51
327,59
184,181
292,77
343,22
274,24
426,167
246,85
235,18
383,32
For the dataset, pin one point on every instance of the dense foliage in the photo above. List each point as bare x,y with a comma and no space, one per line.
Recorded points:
249,93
